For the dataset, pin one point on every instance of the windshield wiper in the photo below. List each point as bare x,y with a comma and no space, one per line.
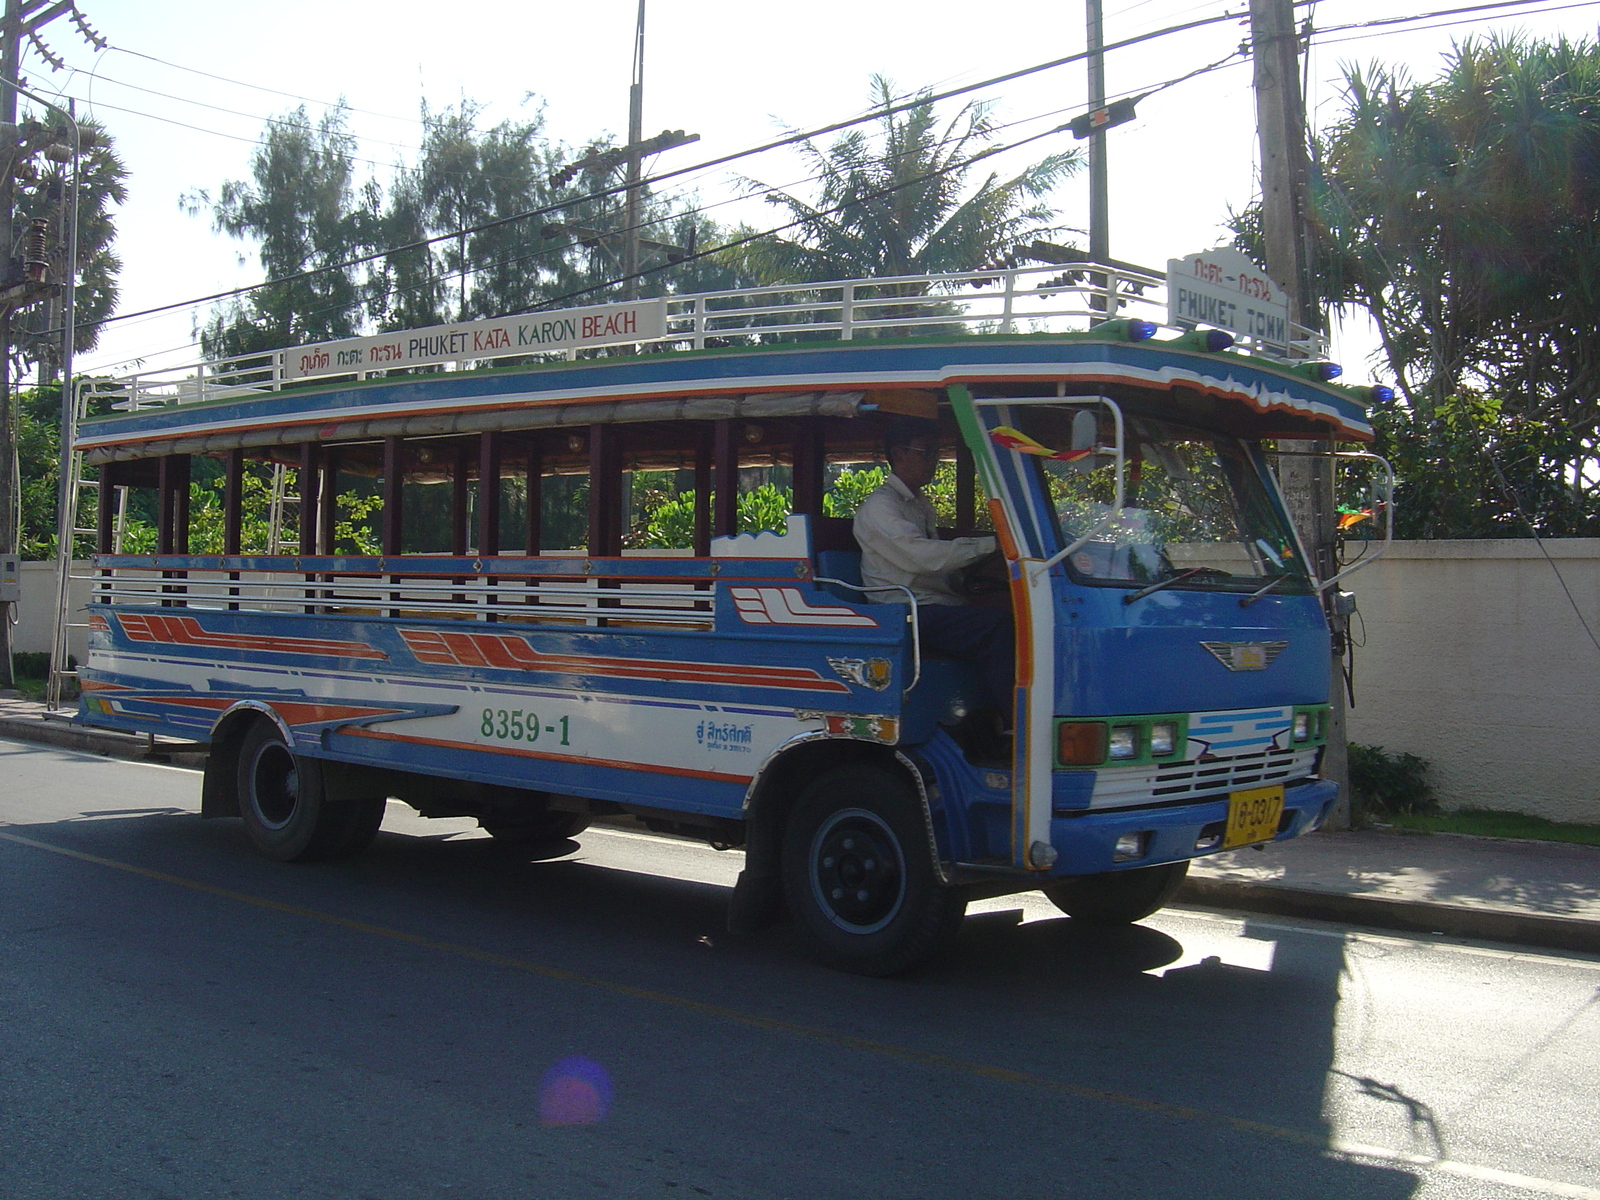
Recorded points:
1247,601
1166,583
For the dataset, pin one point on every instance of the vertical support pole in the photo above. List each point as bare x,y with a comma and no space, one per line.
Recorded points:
180,506
310,497
533,537
605,492
105,516
489,494
232,502
328,510
702,493
394,469
808,466
966,491
725,461
460,500
172,521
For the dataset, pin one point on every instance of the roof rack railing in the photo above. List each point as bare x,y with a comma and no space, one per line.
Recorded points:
1010,300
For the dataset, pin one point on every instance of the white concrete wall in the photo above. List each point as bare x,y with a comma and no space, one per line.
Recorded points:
36,612
1476,660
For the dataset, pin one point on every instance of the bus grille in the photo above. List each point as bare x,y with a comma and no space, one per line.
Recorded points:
1120,787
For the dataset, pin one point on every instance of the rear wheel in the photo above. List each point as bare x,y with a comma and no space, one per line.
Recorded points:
1117,897
288,815
858,875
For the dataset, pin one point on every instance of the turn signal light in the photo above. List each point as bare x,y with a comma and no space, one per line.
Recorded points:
1081,743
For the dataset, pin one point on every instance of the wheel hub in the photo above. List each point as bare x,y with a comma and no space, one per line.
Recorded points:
857,872
276,785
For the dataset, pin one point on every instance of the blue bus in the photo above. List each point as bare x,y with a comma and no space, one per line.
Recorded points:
603,565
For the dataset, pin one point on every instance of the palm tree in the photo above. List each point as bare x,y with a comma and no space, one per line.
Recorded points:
897,200
1462,214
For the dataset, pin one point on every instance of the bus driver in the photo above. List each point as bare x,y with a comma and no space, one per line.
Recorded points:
900,544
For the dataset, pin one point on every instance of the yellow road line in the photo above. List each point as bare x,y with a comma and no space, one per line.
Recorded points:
825,1037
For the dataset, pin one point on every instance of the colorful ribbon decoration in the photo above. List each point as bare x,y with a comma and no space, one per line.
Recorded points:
1015,439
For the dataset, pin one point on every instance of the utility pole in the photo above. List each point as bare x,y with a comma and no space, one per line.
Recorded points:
24,265
1307,482
1099,184
630,158
634,207
10,61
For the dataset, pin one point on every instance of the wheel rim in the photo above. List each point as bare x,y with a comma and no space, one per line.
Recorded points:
274,785
857,871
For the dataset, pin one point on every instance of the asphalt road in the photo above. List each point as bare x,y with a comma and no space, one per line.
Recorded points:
179,1018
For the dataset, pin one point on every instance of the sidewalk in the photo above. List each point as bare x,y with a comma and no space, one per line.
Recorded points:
1529,893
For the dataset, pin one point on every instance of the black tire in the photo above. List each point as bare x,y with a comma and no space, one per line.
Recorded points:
859,876
536,828
287,813
1117,897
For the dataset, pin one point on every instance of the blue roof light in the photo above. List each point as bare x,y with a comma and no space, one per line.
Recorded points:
1139,331
1217,340
1380,394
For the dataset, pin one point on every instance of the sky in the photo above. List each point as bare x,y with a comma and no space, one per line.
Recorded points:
186,87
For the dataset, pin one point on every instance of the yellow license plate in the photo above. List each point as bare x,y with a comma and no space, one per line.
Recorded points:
1253,816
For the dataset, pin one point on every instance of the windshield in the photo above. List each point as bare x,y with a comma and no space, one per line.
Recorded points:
1196,511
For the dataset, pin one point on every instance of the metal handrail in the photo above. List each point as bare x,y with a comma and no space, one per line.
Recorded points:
916,624
1000,300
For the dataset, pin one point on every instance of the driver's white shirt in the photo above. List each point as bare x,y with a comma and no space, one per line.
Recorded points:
900,544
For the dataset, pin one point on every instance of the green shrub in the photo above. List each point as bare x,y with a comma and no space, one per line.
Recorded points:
1390,783
28,664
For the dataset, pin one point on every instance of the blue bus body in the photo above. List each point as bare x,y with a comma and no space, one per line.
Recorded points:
705,693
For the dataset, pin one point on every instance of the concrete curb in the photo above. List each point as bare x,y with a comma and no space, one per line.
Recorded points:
1410,916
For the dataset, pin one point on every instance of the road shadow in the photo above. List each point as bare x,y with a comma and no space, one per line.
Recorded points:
1203,1079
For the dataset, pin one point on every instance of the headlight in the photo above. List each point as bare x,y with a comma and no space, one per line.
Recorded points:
1124,742
1081,743
1302,726
1163,738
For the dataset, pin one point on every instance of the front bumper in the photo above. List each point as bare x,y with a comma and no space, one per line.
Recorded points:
1085,842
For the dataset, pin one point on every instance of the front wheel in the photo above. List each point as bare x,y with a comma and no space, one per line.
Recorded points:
288,815
1117,897
859,876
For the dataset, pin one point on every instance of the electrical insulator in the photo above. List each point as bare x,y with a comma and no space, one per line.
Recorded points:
57,153
35,261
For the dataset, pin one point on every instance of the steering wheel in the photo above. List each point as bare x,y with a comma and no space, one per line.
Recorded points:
986,577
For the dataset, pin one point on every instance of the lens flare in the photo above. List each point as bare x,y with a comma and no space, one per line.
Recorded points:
576,1091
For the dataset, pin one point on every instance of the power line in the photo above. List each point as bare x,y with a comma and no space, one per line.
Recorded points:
1442,24
667,218
366,112
777,143
1443,12
754,237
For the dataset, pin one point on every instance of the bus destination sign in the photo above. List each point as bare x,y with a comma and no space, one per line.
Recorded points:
498,337
1224,289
